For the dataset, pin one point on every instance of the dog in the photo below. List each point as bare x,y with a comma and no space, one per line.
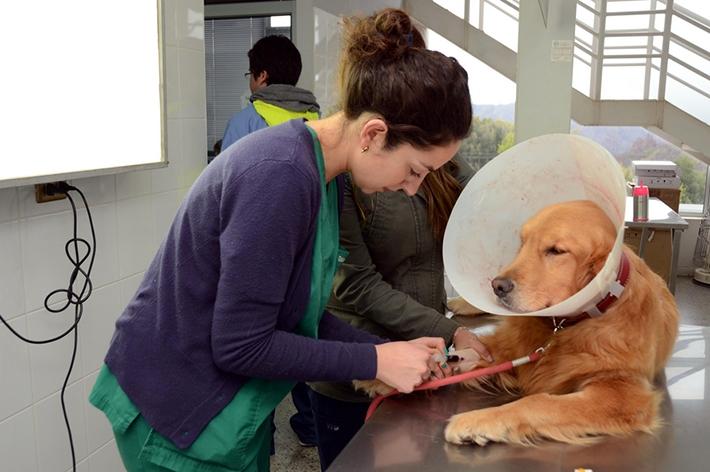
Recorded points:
595,376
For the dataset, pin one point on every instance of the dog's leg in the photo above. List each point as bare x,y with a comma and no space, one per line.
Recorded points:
461,307
372,387
603,407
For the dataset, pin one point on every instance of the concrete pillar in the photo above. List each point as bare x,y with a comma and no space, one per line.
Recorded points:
544,67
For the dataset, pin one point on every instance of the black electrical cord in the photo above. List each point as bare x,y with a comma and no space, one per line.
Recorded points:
72,297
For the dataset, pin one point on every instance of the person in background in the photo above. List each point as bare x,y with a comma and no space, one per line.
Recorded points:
231,311
274,70
391,284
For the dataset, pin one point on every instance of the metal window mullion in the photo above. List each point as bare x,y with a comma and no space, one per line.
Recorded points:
586,28
692,18
632,33
583,43
583,60
634,12
690,86
500,9
664,52
689,67
649,51
624,64
585,50
631,56
598,61
587,7
691,46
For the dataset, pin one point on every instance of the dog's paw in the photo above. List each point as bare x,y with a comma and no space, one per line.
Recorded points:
372,387
461,307
479,427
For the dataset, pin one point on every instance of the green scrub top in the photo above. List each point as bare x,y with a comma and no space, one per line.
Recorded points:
239,437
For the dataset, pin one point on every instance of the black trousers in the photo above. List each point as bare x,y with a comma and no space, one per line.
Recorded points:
336,423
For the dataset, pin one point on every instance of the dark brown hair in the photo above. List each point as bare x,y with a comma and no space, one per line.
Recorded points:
385,69
422,95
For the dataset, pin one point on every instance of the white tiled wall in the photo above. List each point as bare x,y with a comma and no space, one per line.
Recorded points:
131,214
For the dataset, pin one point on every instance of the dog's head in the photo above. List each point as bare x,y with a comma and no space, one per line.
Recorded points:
562,248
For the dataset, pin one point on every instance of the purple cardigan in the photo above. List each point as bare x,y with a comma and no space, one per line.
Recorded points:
221,300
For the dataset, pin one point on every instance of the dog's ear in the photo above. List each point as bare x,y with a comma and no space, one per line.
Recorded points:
600,248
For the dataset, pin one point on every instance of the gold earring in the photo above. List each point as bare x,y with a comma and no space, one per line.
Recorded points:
365,149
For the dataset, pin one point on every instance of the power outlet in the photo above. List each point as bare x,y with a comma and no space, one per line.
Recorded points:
41,195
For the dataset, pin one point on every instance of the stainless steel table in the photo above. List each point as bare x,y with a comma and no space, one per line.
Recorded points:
660,216
406,432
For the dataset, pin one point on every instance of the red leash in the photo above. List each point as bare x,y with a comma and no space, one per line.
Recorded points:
434,384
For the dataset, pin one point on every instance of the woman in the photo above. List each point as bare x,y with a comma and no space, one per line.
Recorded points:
391,285
392,282
231,310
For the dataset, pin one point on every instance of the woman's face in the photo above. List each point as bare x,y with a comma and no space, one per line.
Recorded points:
401,168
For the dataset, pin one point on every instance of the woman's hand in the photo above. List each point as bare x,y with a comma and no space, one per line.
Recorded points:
463,338
405,364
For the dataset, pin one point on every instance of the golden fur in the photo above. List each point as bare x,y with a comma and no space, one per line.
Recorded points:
596,376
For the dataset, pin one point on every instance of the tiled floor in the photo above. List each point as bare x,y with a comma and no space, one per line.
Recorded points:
694,304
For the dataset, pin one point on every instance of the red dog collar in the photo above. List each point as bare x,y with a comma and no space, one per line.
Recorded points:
615,290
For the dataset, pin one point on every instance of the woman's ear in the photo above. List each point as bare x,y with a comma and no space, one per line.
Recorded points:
373,134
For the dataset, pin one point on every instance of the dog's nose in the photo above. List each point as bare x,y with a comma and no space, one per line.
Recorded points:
502,286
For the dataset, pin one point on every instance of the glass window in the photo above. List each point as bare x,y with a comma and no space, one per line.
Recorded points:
633,143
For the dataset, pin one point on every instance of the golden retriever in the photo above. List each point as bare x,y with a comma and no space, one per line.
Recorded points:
596,374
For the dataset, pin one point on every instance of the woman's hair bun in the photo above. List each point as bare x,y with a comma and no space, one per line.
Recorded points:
384,36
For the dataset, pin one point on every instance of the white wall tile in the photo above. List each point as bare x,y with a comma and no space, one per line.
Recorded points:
53,453
17,445
97,190
190,24
82,466
132,184
165,206
172,82
193,92
105,268
29,207
97,326
98,428
12,295
129,286
194,150
8,204
106,459
49,362
168,178
16,393
136,243
46,266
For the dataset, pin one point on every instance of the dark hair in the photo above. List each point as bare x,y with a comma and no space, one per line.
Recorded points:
385,69
278,56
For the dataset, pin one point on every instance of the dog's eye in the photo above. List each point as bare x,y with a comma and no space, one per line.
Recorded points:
554,251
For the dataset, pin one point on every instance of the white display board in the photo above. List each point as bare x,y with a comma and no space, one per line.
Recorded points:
81,89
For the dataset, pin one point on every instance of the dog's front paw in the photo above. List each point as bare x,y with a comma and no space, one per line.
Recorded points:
373,387
461,307
479,427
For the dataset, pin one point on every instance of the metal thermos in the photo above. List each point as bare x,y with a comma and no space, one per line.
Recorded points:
640,196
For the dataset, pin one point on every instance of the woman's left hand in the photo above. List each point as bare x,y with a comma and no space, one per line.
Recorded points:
463,338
